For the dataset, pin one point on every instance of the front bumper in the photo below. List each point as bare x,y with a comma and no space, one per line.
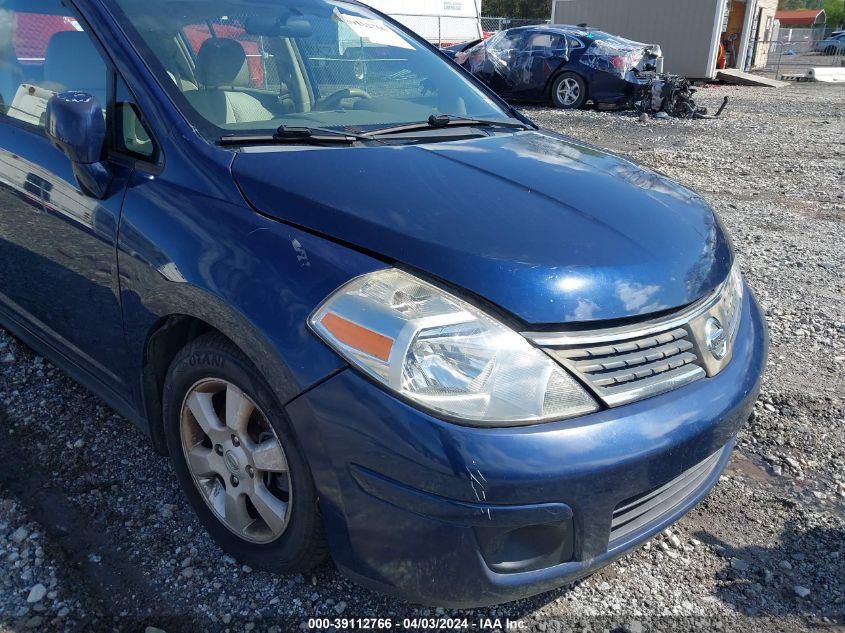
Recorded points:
455,516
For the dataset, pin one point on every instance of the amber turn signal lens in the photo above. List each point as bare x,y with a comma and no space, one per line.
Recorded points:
358,337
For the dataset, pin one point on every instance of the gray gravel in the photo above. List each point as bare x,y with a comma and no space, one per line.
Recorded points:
94,530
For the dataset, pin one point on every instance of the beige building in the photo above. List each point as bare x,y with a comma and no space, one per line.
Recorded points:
693,34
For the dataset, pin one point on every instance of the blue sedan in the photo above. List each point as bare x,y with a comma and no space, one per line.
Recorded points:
280,271
833,45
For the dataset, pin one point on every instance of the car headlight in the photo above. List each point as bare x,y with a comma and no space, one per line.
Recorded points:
731,303
444,354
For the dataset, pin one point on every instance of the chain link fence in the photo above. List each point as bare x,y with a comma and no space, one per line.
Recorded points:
491,24
784,58
448,30
442,30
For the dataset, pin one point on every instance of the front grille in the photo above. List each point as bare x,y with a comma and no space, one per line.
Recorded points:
634,367
636,512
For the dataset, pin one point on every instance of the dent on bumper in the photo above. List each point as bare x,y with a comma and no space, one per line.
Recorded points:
403,494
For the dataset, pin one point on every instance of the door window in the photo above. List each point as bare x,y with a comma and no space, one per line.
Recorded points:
42,54
573,43
547,44
131,135
504,45
540,40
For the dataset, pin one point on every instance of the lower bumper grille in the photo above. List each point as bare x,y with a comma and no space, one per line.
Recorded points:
636,512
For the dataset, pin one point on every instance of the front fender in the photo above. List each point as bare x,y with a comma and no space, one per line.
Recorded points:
254,279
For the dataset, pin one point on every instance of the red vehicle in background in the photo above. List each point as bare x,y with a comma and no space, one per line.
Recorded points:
33,31
32,34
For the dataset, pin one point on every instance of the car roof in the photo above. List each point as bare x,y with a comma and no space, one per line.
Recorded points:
568,29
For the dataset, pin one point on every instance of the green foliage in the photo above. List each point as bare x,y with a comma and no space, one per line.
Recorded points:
800,4
835,10
517,8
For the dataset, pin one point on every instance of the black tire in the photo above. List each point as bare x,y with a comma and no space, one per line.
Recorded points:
302,545
830,50
573,81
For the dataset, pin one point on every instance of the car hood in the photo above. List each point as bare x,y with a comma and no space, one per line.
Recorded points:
550,230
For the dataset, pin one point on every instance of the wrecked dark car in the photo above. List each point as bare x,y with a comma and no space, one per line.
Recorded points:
567,65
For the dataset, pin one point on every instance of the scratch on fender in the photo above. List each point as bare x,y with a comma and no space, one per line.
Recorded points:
301,254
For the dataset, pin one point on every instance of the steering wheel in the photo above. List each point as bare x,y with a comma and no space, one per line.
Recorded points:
333,100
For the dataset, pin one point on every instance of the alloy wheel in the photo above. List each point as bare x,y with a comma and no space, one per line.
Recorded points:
236,460
568,91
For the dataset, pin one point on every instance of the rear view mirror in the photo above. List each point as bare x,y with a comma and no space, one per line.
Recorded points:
291,26
76,125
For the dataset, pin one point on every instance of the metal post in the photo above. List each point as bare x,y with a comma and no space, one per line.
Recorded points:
263,52
780,57
439,32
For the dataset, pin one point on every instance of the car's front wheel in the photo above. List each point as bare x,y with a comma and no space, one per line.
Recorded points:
569,91
238,461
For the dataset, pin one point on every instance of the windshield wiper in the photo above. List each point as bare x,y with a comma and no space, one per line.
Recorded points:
441,121
296,135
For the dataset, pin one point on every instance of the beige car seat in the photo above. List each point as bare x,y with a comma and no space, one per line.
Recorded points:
221,66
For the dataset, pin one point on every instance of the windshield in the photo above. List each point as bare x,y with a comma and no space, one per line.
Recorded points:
251,66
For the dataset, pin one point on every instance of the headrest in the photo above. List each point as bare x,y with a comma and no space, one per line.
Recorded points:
72,62
220,62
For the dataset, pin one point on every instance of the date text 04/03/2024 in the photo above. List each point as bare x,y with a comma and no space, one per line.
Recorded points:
454,624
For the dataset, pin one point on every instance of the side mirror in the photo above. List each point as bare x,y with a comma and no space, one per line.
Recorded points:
76,125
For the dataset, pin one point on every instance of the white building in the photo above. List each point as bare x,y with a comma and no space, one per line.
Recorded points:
689,32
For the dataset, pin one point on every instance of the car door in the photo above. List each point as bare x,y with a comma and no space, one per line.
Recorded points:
534,65
58,265
497,68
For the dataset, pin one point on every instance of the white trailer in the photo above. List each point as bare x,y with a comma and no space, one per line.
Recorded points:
442,22
688,31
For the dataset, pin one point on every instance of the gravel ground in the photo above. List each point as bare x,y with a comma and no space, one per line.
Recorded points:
94,533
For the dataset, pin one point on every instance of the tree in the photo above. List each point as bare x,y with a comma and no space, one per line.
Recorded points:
800,4
835,10
517,8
